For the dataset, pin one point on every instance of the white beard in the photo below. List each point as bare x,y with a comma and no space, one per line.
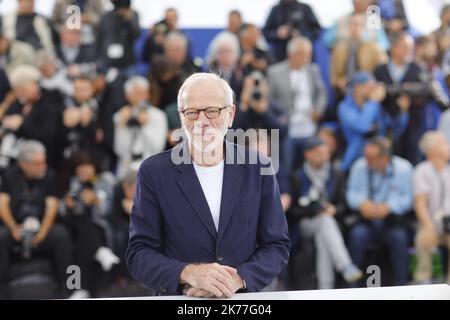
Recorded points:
217,138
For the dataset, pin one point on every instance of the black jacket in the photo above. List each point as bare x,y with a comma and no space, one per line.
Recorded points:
299,16
114,29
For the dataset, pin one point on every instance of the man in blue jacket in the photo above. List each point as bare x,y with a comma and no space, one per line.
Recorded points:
204,222
362,116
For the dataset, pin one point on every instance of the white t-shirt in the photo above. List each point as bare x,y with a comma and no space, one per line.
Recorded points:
301,124
211,179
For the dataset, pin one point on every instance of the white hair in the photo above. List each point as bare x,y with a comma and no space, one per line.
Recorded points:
176,37
296,42
428,140
223,38
206,77
136,81
28,149
24,74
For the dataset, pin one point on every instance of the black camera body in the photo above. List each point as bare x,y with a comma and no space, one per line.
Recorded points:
295,19
75,191
257,77
372,133
133,122
409,89
314,200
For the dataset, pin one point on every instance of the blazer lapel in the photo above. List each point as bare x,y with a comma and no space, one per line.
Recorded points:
190,186
285,77
232,180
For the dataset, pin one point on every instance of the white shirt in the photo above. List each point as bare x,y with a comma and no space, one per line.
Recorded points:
211,179
301,125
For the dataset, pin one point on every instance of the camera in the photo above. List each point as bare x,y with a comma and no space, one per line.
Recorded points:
133,122
372,133
409,88
76,188
295,19
31,226
314,200
257,77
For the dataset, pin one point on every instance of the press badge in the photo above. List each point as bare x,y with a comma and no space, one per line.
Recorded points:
115,51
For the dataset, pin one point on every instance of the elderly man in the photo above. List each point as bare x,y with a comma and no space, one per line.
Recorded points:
406,89
431,183
296,85
29,190
226,231
34,115
379,189
140,129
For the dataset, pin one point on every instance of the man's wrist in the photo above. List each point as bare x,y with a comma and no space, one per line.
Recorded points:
243,284
184,275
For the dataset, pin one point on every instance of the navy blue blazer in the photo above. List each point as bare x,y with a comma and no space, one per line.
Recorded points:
171,224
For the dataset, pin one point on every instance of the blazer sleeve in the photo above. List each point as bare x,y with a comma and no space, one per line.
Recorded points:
273,245
145,258
320,92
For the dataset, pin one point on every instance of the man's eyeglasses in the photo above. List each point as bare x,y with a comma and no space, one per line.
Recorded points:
210,112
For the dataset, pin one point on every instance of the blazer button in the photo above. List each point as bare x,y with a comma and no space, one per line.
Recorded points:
219,259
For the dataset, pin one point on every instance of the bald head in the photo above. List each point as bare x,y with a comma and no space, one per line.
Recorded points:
434,145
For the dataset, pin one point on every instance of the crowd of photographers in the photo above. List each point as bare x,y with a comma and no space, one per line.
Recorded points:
363,133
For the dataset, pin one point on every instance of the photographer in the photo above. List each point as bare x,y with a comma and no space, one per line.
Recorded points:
379,188
91,13
28,190
361,116
431,184
254,49
80,119
405,89
140,129
154,44
84,210
118,30
286,20
317,193
255,110
34,114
